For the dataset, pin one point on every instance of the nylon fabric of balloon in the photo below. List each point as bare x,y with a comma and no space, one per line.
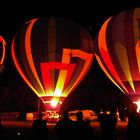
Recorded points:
52,55
117,48
2,49
2,53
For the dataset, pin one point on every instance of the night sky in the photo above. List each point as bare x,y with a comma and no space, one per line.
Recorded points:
96,90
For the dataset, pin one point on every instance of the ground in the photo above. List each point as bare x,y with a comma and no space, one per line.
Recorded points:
21,130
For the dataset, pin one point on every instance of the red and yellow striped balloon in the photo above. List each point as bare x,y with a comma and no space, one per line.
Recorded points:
52,55
2,50
117,47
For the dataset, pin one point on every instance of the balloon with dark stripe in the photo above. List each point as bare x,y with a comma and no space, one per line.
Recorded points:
52,55
2,53
117,47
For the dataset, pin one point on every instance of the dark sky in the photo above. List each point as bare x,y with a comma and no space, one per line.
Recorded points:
95,87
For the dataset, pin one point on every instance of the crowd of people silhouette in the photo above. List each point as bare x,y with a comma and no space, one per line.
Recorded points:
76,130
81,129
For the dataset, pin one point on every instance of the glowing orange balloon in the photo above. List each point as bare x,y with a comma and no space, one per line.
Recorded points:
2,49
2,52
52,55
118,51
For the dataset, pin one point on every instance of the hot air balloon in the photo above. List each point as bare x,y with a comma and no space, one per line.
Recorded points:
2,52
117,48
52,55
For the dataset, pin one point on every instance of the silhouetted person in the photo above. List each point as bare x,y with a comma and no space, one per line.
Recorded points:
39,128
82,128
89,130
108,126
64,127
133,126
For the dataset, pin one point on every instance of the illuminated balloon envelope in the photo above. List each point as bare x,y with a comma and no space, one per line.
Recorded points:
117,47
52,55
2,52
